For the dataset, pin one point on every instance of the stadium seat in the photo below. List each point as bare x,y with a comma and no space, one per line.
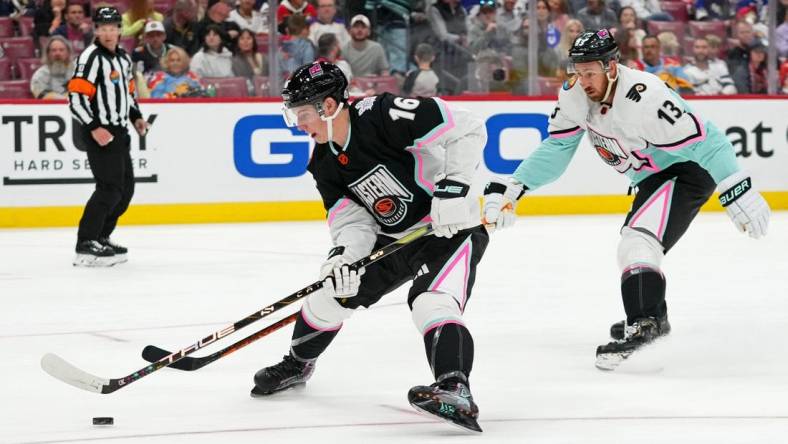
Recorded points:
677,9
26,67
26,26
717,28
261,86
6,27
5,69
15,89
228,86
380,84
262,43
18,48
677,28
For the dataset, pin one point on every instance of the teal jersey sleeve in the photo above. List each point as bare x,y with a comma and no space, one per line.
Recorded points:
550,160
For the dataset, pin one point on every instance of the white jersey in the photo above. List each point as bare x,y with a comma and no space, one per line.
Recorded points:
645,129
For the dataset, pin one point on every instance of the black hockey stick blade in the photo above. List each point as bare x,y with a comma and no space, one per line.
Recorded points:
151,353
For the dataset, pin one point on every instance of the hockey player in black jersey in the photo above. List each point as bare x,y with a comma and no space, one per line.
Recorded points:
385,166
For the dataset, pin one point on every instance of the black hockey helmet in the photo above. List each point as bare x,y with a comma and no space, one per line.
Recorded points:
106,15
313,82
591,46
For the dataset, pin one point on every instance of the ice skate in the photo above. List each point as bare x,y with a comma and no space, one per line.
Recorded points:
92,254
642,332
289,373
449,399
121,252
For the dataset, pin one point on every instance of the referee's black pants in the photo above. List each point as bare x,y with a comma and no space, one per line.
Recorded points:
114,174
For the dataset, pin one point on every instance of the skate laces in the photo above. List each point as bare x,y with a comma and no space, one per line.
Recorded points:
644,328
289,366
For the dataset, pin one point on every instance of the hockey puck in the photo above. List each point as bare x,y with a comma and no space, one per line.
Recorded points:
103,420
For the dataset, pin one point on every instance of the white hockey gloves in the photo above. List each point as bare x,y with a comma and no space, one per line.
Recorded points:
449,211
500,198
744,204
338,278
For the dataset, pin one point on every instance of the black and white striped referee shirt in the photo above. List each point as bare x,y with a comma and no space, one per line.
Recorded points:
102,91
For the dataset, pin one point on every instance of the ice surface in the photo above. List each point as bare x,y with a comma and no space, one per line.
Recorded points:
545,295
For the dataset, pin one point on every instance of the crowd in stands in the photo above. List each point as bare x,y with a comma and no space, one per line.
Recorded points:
192,48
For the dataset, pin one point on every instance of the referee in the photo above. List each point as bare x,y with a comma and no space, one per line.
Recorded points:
101,97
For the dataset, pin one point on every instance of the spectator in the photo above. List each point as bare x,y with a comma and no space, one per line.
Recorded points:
647,9
739,55
713,9
596,15
708,77
329,50
670,46
628,19
366,57
715,47
9,8
448,21
629,48
572,29
49,81
559,13
48,18
152,50
76,30
213,59
484,32
290,7
246,17
781,36
547,65
327,22
247,61
422,81
489,74
175,80
510,17
669,70
298,50
181,26
216,16
140,11
752,77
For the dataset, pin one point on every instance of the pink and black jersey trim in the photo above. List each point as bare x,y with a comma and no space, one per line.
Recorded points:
560,134
700,134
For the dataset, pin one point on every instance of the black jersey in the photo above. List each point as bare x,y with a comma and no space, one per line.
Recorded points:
387,165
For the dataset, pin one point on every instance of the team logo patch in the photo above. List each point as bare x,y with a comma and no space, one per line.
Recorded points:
385,197
613,154
343,159
365,104
568,84
315,70
634,92
114,77
602,34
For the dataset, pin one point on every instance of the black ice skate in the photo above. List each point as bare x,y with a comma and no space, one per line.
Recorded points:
449,399
289,373
617,329
642,332
120,251
92,254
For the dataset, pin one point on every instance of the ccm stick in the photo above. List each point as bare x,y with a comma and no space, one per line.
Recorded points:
61,369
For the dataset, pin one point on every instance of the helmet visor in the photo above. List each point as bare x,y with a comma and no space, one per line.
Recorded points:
300,115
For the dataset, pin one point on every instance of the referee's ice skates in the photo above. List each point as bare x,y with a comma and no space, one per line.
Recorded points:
90,253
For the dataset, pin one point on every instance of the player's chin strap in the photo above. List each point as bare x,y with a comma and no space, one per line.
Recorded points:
330,121
610,82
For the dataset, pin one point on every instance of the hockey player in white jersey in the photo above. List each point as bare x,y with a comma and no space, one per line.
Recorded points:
674,159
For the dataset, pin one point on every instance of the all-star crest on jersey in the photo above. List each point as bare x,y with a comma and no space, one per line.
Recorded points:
395,150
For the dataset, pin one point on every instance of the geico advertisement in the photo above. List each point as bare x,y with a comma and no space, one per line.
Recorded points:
244,152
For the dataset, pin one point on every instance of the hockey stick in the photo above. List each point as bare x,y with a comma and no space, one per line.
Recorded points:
151,353
59,368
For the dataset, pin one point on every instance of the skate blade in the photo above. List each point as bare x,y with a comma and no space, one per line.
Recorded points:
88,260
256,393
610,361
467,429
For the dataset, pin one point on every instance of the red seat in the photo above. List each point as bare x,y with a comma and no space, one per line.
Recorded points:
228,86
262,43
676,9
261,86
699,29
15,89
26,67
6,27
5,69
18,48
380,84
677,28
26,26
